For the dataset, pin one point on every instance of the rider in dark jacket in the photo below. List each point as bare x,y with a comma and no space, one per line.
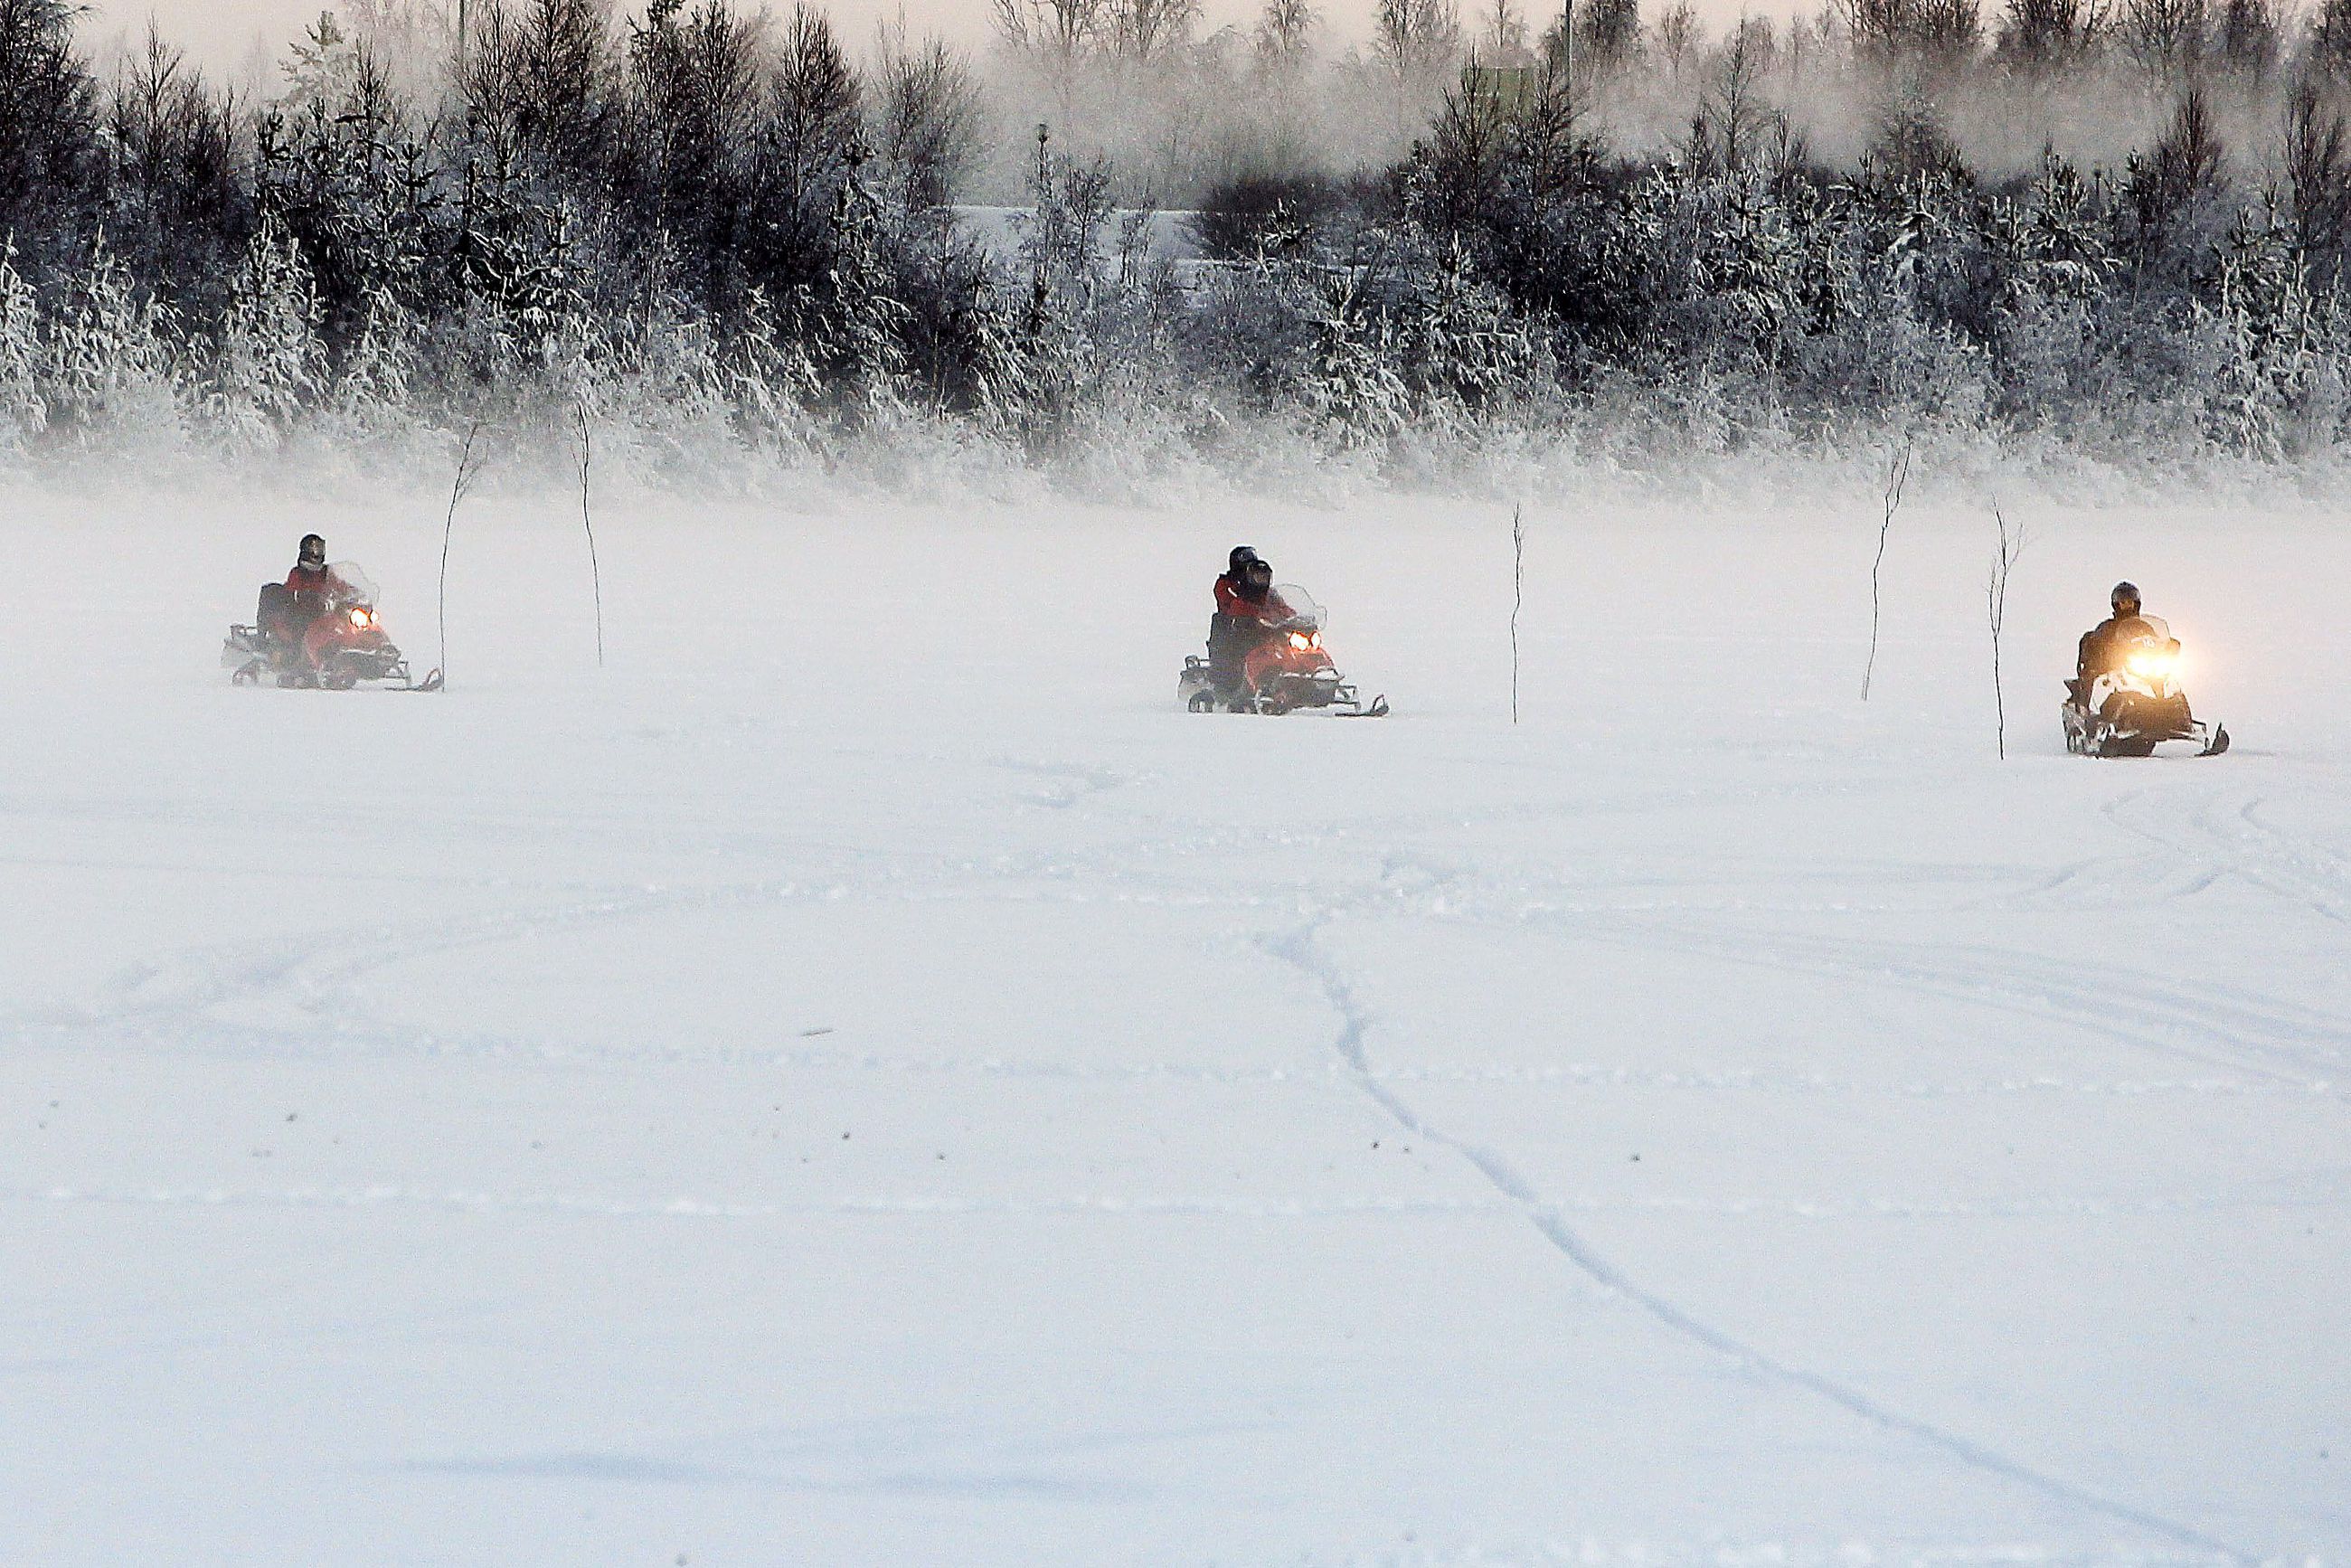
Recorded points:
1235,628
2099,650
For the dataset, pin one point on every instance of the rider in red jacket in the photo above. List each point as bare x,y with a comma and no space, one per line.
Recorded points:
310,573
1247,606
290,609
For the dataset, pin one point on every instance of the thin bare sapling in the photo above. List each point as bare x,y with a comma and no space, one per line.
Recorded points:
587,460
2012,545
1518,596
471,454
1897,478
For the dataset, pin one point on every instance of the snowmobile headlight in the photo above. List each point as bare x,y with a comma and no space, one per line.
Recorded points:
2153,664
361,616
1301,640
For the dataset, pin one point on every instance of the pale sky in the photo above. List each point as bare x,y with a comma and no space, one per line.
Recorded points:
220,33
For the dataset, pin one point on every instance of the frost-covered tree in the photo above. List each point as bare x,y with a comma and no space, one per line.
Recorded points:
1284,33
379,370
542,74
175,200
2316,155
2173,193
1465,352
48,120
810,131
1051,40
925,119
1351,381
353,183
858,324
324,65
2046,35
1417,42
2327,43
689,128
269,363
24,412
1147,31
1679,35
111,367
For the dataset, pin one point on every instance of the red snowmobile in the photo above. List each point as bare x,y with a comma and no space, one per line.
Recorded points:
332,641
1288,670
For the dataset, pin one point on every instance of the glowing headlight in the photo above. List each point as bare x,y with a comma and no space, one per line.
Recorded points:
2151,664
1299,639
359,617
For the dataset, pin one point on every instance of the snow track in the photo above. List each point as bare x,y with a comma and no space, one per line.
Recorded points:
1300,949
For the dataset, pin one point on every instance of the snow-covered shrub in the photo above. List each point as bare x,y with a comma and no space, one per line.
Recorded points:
24,414
269,363
111,367
1352,379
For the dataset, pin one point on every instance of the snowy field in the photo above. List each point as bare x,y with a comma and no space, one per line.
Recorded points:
862,1080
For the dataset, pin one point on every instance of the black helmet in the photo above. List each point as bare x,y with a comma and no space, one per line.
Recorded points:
313,550
2124,594
1242,554
1258,571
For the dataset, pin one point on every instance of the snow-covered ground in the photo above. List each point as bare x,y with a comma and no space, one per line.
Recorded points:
862,1079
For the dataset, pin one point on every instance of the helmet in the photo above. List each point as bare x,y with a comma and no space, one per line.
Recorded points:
1258,572
313,550
1242,554
2124,594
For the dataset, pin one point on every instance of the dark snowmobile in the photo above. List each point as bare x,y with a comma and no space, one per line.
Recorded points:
1288,671
2137,705
336,643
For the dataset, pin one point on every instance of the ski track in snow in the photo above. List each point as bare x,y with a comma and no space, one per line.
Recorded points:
2283,1047
2304,874
1302,950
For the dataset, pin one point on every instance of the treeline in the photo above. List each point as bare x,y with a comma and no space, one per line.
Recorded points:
721,240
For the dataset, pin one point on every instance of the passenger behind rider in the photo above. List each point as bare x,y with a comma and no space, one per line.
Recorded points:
1247,609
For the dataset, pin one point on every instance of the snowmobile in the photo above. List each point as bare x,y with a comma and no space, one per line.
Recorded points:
1289,671
2137,706
340,647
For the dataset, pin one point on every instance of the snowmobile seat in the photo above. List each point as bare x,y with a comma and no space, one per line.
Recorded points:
273,616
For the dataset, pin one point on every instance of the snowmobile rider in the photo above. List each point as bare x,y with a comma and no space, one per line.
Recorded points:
1249,617
2101,648
1228,644
289,608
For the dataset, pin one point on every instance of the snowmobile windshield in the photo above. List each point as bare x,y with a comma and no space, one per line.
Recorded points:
353,585
2147,648
1304,614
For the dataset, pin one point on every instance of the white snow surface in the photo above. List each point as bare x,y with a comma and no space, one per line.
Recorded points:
862,1079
